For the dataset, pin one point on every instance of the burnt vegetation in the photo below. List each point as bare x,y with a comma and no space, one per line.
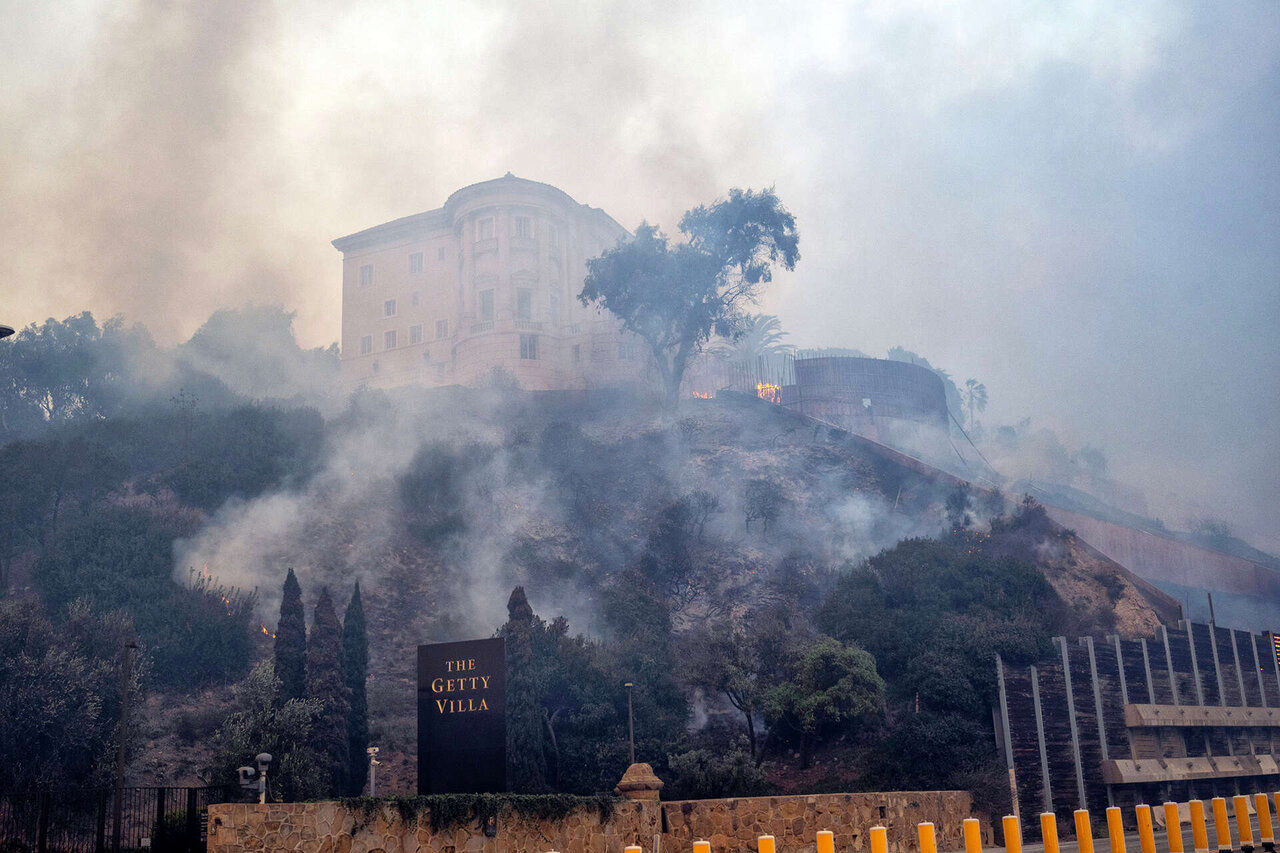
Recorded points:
794,610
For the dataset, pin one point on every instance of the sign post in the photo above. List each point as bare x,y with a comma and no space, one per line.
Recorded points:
462,727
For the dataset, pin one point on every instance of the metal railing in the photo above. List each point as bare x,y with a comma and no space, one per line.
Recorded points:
159,819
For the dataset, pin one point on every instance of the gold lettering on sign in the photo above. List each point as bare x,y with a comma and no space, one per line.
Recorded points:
461,706
455,682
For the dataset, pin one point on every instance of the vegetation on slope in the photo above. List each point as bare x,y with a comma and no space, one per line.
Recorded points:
794,609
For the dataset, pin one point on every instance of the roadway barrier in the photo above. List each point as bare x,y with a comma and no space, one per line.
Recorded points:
1243,807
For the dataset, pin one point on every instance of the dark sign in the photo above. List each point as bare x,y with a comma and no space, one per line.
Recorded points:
462,724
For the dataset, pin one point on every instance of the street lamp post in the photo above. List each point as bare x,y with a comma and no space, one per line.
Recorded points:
126,685
631,726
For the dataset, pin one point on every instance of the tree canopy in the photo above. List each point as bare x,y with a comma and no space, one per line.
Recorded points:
675,297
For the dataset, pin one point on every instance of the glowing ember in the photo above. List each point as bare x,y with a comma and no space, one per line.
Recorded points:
207,576
702,395
770,392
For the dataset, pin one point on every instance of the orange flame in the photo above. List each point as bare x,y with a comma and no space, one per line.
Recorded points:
702,395
769,392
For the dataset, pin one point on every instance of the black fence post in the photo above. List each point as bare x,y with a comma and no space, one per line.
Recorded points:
100,839
42,823
157,834
193,822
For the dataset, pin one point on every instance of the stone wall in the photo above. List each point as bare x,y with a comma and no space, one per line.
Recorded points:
331,828
731,826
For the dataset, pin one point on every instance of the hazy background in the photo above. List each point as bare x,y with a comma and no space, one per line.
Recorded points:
1077,203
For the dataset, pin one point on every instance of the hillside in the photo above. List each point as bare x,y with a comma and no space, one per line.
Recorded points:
732,511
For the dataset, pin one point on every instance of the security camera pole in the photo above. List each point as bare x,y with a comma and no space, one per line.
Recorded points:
263,759
373,769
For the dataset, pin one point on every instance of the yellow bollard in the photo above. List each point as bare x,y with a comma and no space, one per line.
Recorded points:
1276,797
1115,829
705,847
826,842
1173,827
1266,830
879,840
928,840
1049,832
1146,834
1012,835
1199,830
972,835
1244,824
1084,831
764,844
1221,826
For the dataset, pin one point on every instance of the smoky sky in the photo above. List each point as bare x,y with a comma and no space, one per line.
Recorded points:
1077,203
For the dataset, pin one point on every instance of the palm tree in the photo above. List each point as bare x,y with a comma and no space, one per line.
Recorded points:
758,335
975,396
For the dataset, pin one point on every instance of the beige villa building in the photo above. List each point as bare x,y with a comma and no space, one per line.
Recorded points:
490,280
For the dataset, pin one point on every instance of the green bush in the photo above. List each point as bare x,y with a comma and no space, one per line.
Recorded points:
708,774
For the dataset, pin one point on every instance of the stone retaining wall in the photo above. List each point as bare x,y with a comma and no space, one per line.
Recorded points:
731,826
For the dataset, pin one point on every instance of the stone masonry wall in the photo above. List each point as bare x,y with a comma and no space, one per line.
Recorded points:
329,827
731,826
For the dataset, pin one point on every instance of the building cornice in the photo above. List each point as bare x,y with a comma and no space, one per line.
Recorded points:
397,229
442,218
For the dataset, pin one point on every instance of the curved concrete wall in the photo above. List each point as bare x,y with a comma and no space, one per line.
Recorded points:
856,393
1246,594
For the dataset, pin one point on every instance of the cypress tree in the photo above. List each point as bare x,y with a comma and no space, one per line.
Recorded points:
526,759
325,683
355,671
291,642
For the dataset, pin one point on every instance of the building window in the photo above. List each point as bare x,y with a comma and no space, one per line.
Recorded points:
440,254
555,308
442,329
486,306
415,334
376,367
524,226
552,236
485,229
389,308
529,346
366,345
415,262
366,275
626,351
416,297
389,339
524,303
577,353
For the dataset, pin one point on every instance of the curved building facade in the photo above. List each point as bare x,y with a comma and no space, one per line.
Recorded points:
866,394
486,284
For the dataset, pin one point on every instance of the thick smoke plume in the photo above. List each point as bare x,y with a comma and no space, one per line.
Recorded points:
1077,209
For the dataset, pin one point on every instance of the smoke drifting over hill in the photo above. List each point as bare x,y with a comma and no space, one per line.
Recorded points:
441,503
1075,207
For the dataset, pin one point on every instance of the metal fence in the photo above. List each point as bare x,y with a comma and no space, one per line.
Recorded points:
162,820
